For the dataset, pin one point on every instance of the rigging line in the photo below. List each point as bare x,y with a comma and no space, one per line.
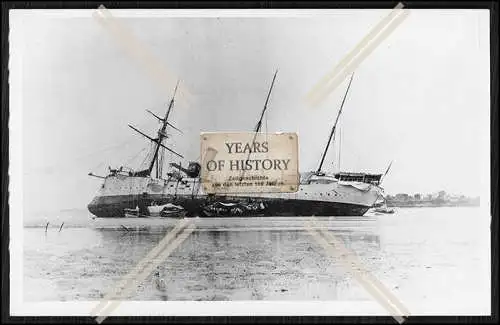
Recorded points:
159,163
73,160
135,156
162,162
336,146
127,141
340,145
146,157
97,166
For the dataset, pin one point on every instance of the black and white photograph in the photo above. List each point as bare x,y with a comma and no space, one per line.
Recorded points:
233,162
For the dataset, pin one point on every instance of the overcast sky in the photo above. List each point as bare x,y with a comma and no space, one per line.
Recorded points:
420,99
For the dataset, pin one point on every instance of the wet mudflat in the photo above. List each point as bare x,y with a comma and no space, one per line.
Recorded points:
418,254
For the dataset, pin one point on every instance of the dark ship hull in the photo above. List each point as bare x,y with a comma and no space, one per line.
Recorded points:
114,206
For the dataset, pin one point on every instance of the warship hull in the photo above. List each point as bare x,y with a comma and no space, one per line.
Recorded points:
114,206
333,199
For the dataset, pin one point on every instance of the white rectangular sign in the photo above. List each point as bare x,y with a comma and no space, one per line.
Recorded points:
249,162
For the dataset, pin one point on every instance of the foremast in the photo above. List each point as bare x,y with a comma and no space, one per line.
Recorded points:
158,141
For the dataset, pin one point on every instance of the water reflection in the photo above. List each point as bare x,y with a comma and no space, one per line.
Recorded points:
223,263
235,263
257,259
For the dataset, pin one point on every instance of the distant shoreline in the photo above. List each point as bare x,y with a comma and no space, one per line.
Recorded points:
439,199
430,204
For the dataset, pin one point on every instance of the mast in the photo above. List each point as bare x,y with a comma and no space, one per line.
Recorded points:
259,123
334,126
161,136
161,133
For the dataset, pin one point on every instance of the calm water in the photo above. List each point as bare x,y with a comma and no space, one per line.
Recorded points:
419,254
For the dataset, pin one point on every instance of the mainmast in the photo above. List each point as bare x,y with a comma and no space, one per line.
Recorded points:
161,136
259,123
334,126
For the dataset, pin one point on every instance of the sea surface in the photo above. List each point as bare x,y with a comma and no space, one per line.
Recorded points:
419,254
